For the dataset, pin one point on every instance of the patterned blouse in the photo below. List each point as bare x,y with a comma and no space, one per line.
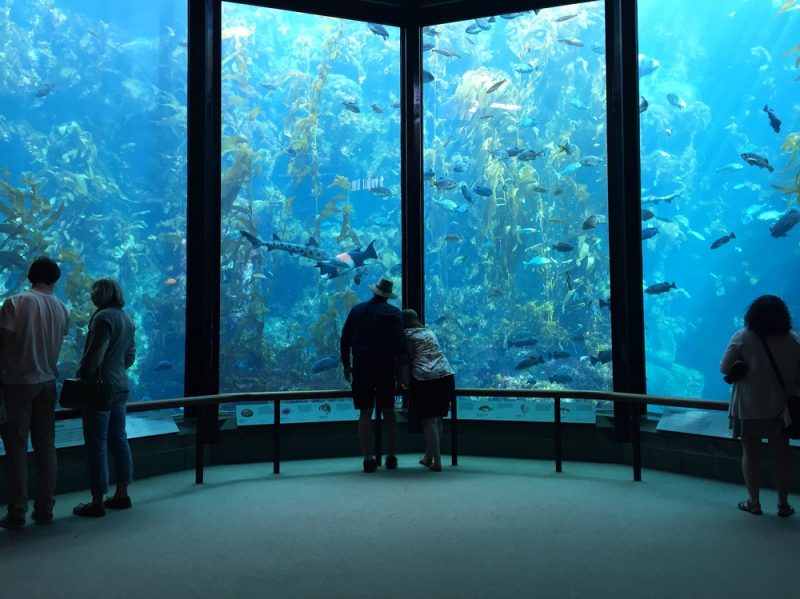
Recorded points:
427,361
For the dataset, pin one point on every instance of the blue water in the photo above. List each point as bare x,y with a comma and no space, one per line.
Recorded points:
311,124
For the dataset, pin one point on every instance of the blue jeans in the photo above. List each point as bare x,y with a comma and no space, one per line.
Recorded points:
104,432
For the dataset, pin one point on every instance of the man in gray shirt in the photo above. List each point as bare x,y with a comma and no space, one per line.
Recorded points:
33,325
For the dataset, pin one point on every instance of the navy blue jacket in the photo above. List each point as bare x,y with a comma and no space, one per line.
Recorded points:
373,330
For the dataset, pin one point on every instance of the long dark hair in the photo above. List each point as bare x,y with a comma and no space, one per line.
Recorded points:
768,315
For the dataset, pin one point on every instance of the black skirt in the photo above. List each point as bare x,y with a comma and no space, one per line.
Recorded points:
431,399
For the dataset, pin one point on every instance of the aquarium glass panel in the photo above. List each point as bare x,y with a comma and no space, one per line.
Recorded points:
93,166
310,191
720,130
516,201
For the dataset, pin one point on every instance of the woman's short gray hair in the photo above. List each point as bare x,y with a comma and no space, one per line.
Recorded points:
107,292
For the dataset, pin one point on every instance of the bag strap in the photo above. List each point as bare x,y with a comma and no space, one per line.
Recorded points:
772,361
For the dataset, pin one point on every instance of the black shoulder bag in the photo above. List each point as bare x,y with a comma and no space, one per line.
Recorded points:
792,400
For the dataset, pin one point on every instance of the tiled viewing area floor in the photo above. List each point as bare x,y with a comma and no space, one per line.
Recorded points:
486,528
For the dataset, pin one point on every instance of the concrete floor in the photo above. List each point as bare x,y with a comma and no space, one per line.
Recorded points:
487,528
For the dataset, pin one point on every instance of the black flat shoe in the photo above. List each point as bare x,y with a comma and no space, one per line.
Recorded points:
370,466
785,510
752,508
391,462
118,503
89,510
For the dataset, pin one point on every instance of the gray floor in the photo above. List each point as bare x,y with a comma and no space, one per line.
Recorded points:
487,528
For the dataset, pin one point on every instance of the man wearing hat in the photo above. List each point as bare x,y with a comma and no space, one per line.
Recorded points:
373,333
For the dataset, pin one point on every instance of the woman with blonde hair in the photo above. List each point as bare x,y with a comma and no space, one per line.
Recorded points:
433,384
109,351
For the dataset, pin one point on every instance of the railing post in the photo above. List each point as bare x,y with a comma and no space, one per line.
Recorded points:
276,438
378,417
454,431
199,455
557,435
636,439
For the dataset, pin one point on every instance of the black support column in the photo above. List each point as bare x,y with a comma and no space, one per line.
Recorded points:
411,156
203,214
625,212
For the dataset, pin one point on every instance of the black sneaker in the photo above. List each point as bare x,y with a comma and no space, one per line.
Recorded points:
370,465
391,462
12,522
41,517
118,503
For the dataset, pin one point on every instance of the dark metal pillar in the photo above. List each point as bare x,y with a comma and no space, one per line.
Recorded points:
201,375
625,214
411,156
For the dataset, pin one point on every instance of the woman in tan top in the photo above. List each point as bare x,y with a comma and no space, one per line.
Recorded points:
758,402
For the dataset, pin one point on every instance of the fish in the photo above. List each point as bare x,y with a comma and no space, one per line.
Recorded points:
514,15
44,89
567,148
590,160
485,409
12,260
330,266
351,106
466,193
602,357
570,168
527,155
482,190
446,52
774,121
483,24
578,103
453,237
770,215
676,101
571,41
647,214
722,241
560,379
426,46
659,288
602,303
647,65
324,364
731,166
427,76
599,48
495,86
325,408
523,68
539,261
529,361
380,191
378,29
643,105
164,365
562,246
785,223
565,18
460,167
522,339
656,199
377,109
591,222
473,29
445,183
756,160
559,354
649,232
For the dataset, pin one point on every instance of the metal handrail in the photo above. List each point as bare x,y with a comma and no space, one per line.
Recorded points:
555,394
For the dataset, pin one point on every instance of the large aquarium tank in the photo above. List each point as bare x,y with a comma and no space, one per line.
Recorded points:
93,166
720,132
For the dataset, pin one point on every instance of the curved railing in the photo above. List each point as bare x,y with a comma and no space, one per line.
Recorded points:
554,394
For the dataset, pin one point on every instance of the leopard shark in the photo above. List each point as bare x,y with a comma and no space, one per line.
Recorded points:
330,266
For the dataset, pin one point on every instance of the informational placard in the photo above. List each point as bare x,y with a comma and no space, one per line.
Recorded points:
696,422
69,433
525,410
294,412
